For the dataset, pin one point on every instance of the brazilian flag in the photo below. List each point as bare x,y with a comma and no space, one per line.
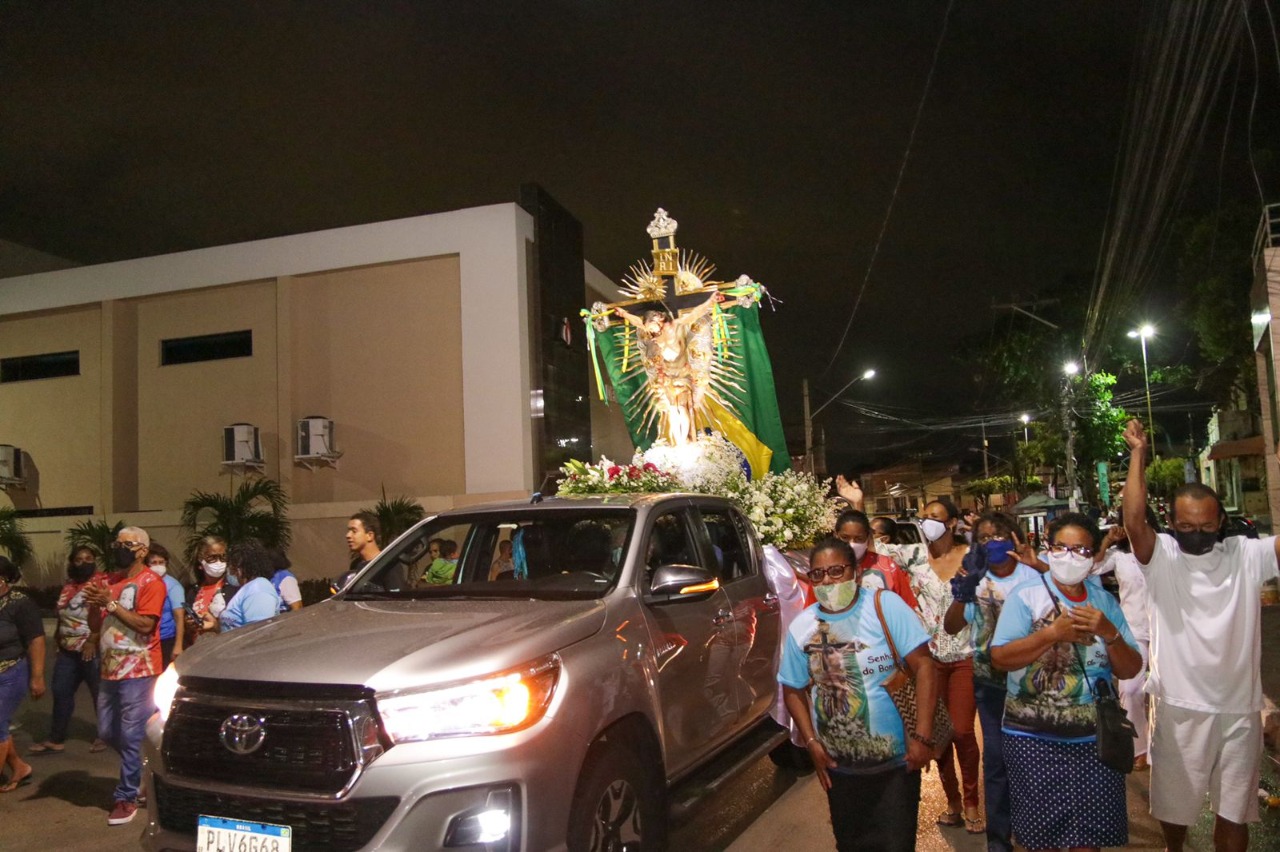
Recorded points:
749,418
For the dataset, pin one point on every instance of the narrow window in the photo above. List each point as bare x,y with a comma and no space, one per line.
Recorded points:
206,347
49,366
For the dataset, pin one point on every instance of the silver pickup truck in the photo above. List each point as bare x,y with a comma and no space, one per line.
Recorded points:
618,667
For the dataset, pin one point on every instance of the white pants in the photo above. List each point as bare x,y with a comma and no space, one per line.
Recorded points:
1134,701
1193,753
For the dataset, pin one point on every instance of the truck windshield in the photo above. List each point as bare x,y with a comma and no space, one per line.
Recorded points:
524,553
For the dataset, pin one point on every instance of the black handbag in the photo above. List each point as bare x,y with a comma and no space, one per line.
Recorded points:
1115,732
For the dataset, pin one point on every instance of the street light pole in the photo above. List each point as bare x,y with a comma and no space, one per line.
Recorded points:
1142,334
1071,368
808,415
1026,427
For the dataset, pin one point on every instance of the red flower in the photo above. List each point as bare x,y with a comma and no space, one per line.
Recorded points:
633,472
613,471
651,467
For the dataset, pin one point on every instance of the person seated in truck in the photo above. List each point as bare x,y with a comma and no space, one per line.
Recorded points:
441,572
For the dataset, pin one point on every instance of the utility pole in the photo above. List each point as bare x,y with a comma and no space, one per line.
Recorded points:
808,430
986,468
1068,423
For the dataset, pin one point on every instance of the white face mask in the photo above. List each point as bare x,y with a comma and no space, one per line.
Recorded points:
214,569
932,529
1069,568
160,569
859,549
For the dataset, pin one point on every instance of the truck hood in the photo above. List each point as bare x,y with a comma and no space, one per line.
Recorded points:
389,645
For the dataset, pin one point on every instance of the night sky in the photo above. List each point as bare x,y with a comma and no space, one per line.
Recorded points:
773,132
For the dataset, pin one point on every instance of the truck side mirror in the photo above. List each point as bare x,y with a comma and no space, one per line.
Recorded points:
682,582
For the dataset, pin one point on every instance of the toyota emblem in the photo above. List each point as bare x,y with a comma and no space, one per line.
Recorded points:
242,733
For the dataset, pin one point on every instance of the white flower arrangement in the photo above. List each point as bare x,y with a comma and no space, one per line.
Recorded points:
789,510
606,477
711,465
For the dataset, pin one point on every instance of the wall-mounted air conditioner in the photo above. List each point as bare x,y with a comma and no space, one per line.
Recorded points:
315,442
241,447
11,475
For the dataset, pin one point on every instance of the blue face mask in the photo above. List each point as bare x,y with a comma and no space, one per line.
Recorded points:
997,552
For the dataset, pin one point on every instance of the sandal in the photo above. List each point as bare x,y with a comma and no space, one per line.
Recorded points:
46,748
98,745
21,782
950,819
975,825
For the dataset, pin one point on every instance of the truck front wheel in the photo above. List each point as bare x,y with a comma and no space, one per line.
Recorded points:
617,806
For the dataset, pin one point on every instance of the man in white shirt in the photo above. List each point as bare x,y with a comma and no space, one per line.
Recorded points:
1205,598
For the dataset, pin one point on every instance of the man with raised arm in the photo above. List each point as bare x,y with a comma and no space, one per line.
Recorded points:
1205,605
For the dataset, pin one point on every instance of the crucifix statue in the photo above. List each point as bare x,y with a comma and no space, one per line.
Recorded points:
674,316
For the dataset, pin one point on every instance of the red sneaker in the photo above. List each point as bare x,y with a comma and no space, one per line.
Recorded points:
121,813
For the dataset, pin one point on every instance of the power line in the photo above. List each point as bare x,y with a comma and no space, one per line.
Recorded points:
897,184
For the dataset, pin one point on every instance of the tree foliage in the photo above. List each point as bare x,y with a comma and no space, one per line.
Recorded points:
13,540
97,534
1165,475
258,510
396,515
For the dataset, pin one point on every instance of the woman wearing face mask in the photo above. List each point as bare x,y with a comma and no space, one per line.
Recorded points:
173,616
21,667
1056,638
878,571
205,598
77,637
835,659
256,599
996,564
930,568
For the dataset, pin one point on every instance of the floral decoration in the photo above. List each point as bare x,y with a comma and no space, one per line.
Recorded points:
607,477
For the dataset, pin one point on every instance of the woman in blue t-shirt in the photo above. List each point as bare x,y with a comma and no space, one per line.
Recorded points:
835,660
1055,637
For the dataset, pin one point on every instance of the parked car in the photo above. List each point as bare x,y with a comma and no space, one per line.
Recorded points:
625,661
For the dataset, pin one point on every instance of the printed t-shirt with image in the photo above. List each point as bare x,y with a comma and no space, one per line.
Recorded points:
983,614
73,614
881,572
126,653
844,660
1049,698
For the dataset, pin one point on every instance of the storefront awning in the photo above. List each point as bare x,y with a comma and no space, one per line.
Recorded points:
1243,447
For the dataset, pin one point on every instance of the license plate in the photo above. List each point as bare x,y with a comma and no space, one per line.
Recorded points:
218,834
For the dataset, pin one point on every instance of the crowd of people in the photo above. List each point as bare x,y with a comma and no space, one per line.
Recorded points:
1033,644
117,630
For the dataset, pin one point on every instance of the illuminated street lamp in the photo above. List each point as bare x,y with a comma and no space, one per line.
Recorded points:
808,416
1026,421
1142,334
1070,369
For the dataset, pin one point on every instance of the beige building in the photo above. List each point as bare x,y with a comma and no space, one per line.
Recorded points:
1265,305
424,340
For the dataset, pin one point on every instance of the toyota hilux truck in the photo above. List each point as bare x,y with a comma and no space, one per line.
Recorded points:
578,696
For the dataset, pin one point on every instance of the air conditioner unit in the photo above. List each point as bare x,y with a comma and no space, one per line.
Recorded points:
315,440
11,466
241,446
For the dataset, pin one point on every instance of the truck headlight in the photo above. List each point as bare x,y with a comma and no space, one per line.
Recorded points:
492,705
165,689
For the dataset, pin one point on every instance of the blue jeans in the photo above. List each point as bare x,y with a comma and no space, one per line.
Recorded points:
123,709
15,683
990,702
69,671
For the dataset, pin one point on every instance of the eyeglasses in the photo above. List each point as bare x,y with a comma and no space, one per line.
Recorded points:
1077,549
835,572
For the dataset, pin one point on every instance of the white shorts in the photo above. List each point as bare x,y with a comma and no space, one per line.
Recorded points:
1193,753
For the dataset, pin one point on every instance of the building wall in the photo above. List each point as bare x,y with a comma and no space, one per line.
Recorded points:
55,422
1265,301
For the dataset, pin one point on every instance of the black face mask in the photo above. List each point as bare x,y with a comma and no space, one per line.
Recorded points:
123,556
1195,542
81,572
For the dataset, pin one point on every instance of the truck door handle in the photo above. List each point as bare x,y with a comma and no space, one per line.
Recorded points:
771,602
722,617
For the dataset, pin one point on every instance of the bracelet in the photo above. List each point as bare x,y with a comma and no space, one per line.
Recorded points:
810,741
921,738
1113,640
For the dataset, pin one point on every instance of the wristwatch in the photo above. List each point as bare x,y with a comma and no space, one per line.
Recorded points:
112,606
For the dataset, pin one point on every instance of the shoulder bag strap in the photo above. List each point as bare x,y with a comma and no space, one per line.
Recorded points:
1084,669
893,649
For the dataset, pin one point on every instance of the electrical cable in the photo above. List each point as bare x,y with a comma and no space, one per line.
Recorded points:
897,184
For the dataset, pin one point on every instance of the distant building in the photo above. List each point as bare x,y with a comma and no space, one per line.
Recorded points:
446,350
1234,463
907,487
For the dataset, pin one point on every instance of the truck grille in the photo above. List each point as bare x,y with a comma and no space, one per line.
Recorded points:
308,750
316,825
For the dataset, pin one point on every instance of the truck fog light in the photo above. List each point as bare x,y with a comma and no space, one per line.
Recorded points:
494,824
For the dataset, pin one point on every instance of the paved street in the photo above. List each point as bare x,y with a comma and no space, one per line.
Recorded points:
764,810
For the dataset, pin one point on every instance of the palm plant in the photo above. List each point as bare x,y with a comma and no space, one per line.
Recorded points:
257,510
396,515
12,539
99,535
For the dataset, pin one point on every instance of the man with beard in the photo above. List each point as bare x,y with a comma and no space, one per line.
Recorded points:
1205,599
